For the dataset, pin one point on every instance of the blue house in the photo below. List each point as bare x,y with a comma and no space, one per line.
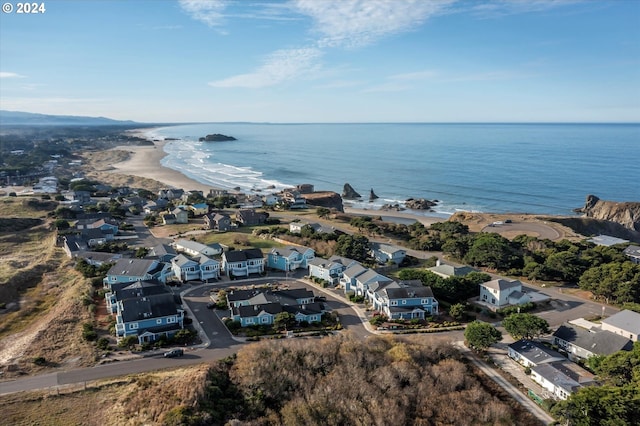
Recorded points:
368,278
260,306
289,258
409,303
200,268
349,275
242,263
148,317
127,271
131,291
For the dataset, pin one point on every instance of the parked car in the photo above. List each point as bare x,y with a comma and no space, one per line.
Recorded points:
211,305
174,353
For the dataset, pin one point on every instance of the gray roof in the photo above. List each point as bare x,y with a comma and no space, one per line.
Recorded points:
501,284
632,251
162,249
242,255
355,271
536,352
372,276
625,320
345,261
191,245
182,260
409,293
204,259
561,376
132,267
599,342
253,310
155,306
452,271
140,289
287,251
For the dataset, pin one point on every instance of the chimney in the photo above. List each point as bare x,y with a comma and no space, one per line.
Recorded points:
438,262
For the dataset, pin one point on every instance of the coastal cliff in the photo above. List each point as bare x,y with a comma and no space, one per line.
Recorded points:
327,199
626,214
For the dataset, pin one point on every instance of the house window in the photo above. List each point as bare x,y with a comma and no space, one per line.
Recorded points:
394,303
249,320
159,321
265,319
133,326
171,320
404,302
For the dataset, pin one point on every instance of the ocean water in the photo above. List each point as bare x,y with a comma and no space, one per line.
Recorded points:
524,168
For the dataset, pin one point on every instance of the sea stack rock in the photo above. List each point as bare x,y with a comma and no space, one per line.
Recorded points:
626,214
372,196
217,137
348,193
327,199
419,204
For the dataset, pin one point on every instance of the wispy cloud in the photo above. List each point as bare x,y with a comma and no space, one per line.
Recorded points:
496,8
356,23
280,66
11,75
210,12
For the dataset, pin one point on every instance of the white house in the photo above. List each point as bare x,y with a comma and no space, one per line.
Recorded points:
384,253
530,353
561,378
625,323
500,293
195,248
633,253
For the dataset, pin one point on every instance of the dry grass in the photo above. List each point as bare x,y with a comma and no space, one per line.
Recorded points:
133,400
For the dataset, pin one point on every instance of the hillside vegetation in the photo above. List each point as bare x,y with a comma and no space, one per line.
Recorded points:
334,381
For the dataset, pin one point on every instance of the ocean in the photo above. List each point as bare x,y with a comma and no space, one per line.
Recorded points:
498,168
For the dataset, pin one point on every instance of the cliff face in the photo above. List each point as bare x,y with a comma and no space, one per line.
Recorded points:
626,214
328,199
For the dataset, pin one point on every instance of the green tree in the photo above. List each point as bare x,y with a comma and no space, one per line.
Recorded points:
141,252
61,224
480,335
525,326
566,266
284,320
323,212
457,311
615,282
493,251
355,247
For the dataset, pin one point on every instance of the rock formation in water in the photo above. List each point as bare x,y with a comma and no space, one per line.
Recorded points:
419,204
348,193
372,196
327,199
626,214
217,137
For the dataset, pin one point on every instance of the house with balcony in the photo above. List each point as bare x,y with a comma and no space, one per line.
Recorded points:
407,303
289,258
500,293
349,275
148,317
200,268
367,279
127,271
330,269
242,263
132,291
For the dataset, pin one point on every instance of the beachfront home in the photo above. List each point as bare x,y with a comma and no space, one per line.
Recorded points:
242,263
289,258
131,291
162,252
194,248
199,209
200,268
579,343
148,317
633,253
406,302
625,323
384,253
329,270
499,293
181,215
562,379
349,275
368,278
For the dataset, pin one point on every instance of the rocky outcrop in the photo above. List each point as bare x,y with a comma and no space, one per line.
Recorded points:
328,199
217,137
348,193
626,214
372,196
419,204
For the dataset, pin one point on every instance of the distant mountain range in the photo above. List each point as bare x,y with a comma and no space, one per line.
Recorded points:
16,118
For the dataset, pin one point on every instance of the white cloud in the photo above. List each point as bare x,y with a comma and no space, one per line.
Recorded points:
10,75
355,23
280,66
206,11
496,8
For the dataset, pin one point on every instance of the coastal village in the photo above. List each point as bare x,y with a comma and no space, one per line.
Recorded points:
280,265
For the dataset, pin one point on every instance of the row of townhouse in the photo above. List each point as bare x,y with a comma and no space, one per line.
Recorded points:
261,306
396,300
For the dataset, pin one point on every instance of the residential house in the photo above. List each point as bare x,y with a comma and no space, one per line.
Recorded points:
580,343
260,306
289,258
499,293
408,302
447,271
95,237
127,271
296,228
349,275
162,252
270,199
530,353
73,245
217,222
173,194
366,279
168,218
98,258
131,291
633,253
384,253
201,268
149,317
195,248
199,209
181,215
154,206
250,217
625,323
561,378
242,263
329,270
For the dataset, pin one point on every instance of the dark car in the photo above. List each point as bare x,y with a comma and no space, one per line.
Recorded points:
211,305
174,353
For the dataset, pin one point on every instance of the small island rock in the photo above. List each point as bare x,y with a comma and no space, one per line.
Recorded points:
217,137
419,204
348,193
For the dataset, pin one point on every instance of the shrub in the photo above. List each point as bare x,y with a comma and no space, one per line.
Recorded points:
128,342
88,333
40,360
103,343
527,371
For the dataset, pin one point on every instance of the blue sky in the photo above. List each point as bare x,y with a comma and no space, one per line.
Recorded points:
326,61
